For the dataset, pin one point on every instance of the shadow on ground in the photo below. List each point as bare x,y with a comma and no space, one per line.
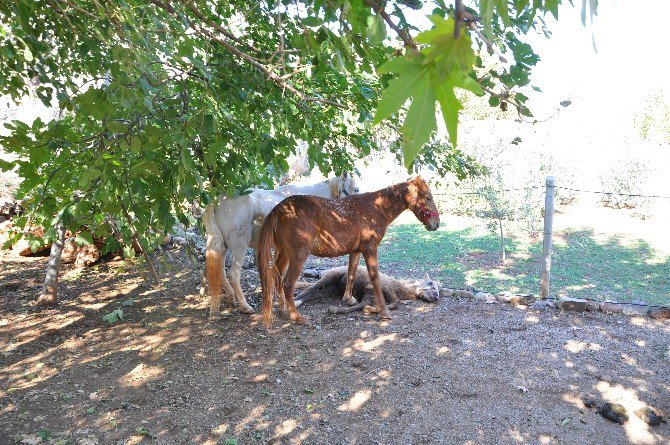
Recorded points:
455,372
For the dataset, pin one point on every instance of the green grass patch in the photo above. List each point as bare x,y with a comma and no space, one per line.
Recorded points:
582,266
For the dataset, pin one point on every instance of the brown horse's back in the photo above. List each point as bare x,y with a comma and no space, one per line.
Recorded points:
318,226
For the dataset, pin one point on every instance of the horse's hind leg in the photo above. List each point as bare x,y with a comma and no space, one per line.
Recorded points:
292,275
281,262
348,296
239,250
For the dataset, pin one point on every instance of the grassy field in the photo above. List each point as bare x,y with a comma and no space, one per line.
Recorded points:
583,264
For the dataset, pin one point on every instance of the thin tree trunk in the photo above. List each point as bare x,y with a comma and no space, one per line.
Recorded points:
136,240
49,295
502,240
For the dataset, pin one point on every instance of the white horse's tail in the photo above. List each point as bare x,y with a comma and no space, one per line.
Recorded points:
213,259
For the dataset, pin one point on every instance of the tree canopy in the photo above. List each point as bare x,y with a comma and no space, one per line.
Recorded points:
166,102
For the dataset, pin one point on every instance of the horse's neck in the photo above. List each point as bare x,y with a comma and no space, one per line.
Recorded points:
394,199
324,189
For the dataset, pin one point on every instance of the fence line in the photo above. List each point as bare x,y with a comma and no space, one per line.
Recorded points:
633,195
614,193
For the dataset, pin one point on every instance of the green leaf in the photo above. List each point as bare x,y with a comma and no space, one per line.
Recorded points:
113,316
142,431
312,21
450,105
90,410
402,65
376,30
420,121
87,176
27,54
230,441
398,92
84,238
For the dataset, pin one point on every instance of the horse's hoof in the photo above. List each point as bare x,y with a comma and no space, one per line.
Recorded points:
350,301
282,313
247,310
302,321
385,315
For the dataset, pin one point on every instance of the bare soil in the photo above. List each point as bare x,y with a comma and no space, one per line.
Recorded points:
456,372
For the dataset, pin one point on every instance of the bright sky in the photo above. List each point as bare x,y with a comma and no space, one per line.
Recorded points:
630,62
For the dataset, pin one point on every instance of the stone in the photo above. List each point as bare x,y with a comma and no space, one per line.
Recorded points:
79,255
592,306
661,313
522,300
614,412
649,416
23,246
311,273
504,297
543,304
635,309
572,304
611,307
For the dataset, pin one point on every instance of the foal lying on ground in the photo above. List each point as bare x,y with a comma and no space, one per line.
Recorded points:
303,225
333,283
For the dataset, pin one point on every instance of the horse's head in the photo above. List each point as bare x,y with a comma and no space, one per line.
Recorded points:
347,185
427,289
422,205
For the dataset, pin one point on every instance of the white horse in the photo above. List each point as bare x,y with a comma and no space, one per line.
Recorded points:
234,223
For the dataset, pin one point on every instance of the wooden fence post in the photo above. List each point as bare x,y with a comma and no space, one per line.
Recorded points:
546,245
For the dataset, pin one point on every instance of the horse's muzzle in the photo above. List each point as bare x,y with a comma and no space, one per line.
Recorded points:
432,225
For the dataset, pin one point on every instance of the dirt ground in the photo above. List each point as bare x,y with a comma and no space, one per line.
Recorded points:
455,372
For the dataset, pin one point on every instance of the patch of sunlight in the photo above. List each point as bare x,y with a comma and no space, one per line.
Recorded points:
637,431
357,401
140,373
657,260
253,417
443,350
94,306
574,400
569,364
286,427
221,429
640,343
638,321
474,276
544,439
532,319
576,346
578,287
371,345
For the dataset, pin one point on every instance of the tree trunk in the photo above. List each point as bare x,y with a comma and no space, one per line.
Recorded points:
136,240
502,241
49,295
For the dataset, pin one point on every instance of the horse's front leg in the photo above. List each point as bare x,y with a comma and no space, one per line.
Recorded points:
373,269
348,296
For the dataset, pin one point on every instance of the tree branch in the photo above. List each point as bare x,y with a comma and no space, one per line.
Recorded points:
266,71
409,41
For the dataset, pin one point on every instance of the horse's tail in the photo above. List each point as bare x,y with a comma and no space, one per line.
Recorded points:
213,259
268,272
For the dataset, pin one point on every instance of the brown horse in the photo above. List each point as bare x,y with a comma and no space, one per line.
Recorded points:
303,225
